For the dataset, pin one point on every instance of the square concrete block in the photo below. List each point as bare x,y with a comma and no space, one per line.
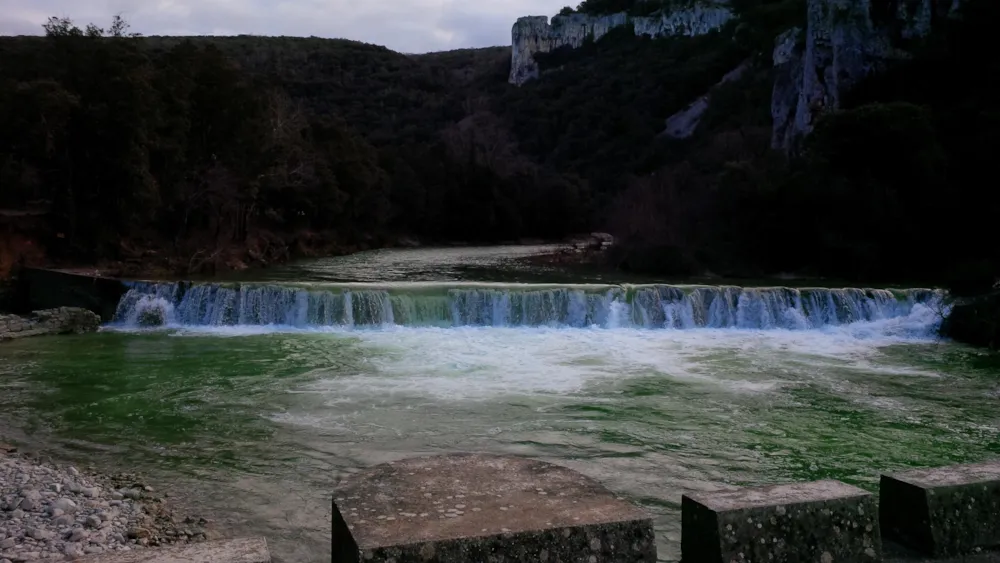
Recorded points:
481,508
821,522
943,511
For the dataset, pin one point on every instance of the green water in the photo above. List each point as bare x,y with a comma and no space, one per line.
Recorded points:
256,429
253,426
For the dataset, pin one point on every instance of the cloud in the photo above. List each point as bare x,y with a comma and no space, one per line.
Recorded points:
411,26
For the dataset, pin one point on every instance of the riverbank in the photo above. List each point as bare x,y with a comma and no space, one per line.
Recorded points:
51,511
64,320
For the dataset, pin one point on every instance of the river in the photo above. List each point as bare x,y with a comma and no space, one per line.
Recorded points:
260,393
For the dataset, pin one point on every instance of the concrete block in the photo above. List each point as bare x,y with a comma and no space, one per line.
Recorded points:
944,511
823,522
244,550
469,507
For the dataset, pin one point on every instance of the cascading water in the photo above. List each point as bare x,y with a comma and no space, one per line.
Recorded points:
499,305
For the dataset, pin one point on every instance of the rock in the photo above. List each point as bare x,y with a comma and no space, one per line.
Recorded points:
64,526
533,34
152,312
823,521
66,505
39,534
50,321
245,550
948,511
840,46
529,511
684,123
117,496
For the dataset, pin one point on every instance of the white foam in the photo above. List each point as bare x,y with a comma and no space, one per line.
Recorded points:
483,363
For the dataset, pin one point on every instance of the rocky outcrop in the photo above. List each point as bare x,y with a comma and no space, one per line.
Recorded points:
534,34
840,46
65,320
683,124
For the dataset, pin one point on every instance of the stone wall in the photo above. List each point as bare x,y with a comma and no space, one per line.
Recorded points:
534,34
64,320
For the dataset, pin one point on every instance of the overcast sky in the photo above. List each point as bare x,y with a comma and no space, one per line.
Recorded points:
411,26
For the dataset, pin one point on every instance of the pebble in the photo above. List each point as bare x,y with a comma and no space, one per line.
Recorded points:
53,513
66,505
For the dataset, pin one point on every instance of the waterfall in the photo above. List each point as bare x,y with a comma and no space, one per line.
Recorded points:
499,305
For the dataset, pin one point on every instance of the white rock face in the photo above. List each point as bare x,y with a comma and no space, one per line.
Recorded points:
840,46
534,34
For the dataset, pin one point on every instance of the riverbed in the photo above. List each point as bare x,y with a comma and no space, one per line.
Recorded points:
252,404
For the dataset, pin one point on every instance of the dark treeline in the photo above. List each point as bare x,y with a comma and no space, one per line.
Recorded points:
202,152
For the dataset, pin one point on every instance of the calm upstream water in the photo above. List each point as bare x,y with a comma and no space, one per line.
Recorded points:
260,394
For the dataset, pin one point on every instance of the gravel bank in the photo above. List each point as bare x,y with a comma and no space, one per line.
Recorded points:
53,512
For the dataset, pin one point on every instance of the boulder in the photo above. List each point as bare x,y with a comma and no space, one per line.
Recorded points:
64,320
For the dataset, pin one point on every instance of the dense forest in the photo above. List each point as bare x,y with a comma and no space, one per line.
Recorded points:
206,153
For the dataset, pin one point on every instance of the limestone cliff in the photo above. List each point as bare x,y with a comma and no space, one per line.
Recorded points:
840,46
534,34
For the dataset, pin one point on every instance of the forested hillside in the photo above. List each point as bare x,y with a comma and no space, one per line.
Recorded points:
202,153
